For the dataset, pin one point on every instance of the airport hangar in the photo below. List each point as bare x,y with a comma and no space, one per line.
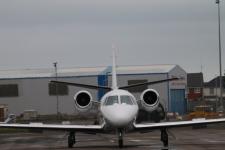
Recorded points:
30,89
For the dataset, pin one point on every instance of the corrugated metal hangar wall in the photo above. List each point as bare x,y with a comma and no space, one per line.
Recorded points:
34,91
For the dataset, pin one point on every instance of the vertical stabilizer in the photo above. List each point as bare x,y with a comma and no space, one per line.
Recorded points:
114,78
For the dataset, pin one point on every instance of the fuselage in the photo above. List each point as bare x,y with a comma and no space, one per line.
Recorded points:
119,108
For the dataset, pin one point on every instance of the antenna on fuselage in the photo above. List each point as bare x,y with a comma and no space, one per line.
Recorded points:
114,78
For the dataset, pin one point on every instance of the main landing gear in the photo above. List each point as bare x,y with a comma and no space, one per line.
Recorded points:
164,137
120,138
71,139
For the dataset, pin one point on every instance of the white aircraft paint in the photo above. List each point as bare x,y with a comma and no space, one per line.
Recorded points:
121,114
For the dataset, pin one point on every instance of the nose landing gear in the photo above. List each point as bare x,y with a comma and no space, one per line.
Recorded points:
120,138
71,139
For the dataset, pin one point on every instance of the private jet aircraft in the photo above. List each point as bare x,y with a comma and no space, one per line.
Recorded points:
119,110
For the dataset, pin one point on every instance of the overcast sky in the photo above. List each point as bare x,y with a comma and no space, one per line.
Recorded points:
34,34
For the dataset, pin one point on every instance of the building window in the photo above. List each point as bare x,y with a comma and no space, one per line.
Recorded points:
138,88
191,90
9,90
211,91
57,89
197,90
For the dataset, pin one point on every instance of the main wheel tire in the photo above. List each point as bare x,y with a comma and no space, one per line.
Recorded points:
164,138
165,143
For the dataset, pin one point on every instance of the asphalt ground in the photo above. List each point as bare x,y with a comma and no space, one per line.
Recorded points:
211,138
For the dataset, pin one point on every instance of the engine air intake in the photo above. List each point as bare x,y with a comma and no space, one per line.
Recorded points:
150,100
83,101
150,97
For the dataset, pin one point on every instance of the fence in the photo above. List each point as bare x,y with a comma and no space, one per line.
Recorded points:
214,104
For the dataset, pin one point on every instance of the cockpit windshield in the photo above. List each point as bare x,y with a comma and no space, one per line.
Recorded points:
126,100
112,100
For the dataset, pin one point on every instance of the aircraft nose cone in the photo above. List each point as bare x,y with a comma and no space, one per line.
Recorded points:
120,115
122,119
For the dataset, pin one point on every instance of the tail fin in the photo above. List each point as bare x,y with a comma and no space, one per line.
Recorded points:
114,78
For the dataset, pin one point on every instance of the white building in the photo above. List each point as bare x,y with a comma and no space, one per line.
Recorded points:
30,89
212,89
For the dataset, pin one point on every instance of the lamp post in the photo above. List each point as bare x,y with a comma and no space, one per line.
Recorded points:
56,88
216,92
220,63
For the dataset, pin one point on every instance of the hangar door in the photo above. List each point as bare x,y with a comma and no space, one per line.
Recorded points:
178,101
102,81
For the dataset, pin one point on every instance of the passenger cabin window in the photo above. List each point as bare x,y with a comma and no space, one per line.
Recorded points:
112,100
126,100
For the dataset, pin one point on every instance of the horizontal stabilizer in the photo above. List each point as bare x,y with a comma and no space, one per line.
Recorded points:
82,85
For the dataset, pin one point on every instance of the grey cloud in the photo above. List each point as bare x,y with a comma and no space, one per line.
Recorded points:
99,11
34,33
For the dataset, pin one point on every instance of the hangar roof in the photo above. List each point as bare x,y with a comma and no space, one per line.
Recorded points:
85,71
215,82
145,69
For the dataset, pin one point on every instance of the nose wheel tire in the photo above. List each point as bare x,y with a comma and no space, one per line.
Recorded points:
120,143
120,139
71,139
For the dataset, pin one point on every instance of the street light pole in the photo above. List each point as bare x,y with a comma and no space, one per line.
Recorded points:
216,92
56,88
220,63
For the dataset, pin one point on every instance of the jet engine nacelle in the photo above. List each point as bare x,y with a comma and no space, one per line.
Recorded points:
150,100
83,101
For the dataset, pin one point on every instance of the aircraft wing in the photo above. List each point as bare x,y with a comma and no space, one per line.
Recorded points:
161,125
41,126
